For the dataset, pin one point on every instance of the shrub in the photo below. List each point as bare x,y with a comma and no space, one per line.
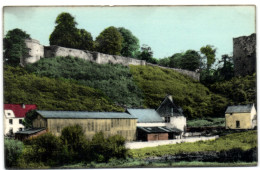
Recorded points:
13,149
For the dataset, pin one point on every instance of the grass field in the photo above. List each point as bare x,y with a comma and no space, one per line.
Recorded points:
212,122
242,140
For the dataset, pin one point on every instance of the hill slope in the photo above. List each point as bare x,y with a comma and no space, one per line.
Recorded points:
195,99
52,94
113,80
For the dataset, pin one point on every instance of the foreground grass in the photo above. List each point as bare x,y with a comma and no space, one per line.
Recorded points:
212,122
242,140
145,164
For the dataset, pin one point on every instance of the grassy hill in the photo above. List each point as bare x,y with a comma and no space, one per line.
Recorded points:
115,81
195,99
52,94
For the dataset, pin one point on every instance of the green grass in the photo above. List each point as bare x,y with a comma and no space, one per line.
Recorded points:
242,140
195,99
212,122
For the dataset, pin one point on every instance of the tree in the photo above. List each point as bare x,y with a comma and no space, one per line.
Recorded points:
190,60
164,62
13,149
147,54
130,45
175,60
226,72
30,116
109,41
209,54
14,46
86,41
65,33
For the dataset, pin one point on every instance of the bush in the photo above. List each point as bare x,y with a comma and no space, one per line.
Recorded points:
13,149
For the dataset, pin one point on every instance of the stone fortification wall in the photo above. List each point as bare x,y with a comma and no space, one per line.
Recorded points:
35,50
192,74
244,55
38,51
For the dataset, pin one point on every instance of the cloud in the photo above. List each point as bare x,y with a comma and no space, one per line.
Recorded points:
20,12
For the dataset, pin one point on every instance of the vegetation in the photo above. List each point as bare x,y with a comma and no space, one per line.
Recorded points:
195,99
52,94
241,90
130,45
109,41
66,34
243,140
147,54
28,120
209,54
212,122
114,80
14,46
13,149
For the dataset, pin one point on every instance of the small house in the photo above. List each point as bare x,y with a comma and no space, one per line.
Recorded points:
241,117
171,114
14,115
110,123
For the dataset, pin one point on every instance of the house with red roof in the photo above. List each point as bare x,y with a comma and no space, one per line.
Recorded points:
14,115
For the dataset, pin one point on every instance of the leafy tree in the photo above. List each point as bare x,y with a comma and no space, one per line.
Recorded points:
130,45
190,60
109,41
175,60
13,149
65,33
147,54
14,46
165,62
226,72
209,53
85,41
28,120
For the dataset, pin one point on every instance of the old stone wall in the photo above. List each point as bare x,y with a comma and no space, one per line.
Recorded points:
244,55
38,51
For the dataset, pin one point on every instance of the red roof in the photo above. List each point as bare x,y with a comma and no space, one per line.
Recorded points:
18,109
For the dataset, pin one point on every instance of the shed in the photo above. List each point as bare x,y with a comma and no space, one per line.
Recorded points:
29,133
241,117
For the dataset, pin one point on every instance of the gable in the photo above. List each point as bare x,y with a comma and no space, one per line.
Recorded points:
169,109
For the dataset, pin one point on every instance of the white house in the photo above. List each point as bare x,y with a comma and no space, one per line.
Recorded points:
13,117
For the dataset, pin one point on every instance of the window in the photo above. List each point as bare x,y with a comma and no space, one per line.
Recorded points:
167,119
8,114
237,124
10,121
20,129
20,121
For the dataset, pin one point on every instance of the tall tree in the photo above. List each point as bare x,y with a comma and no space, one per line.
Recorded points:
65,33
190,60
86,41
14,46
147,54
130,45
209,53
109,41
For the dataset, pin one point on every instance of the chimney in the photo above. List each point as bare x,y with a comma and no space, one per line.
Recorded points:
170,97
23,106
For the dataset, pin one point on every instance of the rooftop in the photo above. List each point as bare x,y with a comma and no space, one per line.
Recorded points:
84,115
159,129
18,109
145,115
240,109
30,131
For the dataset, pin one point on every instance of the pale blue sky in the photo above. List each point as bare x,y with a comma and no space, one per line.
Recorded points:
167,30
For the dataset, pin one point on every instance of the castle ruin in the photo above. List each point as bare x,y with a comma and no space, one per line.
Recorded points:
38,51
244,55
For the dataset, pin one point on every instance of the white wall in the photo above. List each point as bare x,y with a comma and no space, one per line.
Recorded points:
150,124
16,125
178,122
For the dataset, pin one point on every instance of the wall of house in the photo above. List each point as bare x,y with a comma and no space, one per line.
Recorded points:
15,125
157,136
244,119
123,127
178,122
244,55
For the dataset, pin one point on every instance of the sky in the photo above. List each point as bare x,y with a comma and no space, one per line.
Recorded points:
166,29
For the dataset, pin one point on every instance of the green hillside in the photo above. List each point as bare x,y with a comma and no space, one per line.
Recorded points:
52,94
195,99
115,81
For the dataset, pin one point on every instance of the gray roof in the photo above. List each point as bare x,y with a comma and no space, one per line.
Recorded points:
168,108
145,115
163,129
84,115
240,109
30,131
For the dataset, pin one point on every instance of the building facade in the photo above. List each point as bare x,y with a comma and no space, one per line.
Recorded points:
241,117
110,123
13,117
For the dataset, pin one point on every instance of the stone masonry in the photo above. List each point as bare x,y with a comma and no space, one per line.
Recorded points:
244,55
38,51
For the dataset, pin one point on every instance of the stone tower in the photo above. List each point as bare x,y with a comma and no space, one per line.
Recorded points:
244,55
